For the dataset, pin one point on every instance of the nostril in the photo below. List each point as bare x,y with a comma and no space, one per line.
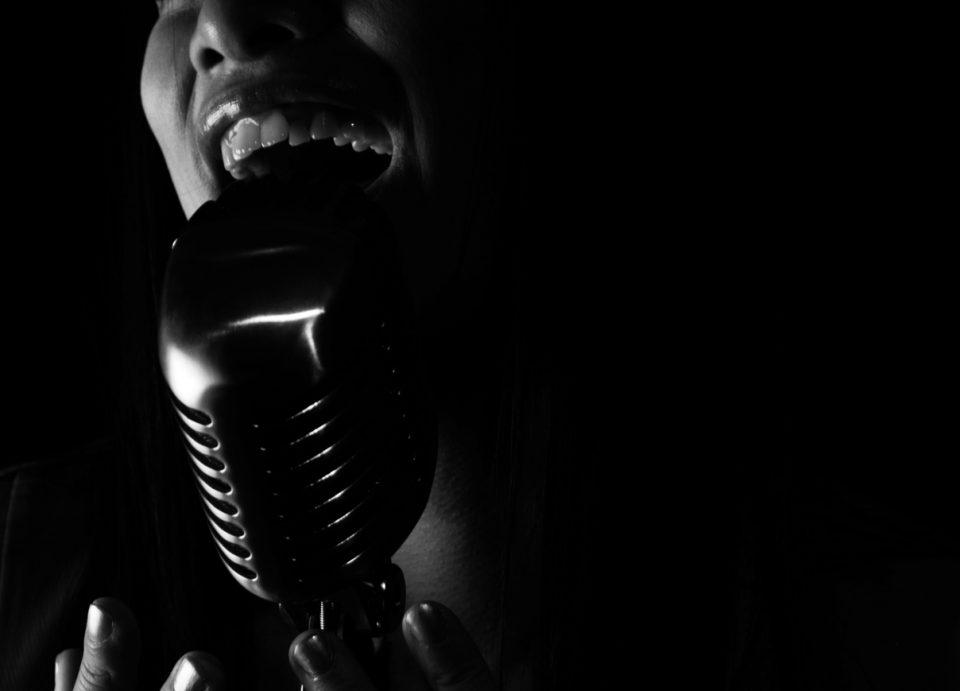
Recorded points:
246,45
208,59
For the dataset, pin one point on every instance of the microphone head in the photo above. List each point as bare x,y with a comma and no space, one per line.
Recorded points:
284,341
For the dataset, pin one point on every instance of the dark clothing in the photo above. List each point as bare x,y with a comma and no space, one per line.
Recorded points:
853,598
55,560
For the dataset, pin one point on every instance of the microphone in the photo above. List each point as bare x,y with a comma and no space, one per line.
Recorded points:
285,341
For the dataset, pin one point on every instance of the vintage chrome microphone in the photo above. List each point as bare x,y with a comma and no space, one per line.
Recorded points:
285,344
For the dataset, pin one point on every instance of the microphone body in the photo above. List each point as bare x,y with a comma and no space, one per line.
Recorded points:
285,343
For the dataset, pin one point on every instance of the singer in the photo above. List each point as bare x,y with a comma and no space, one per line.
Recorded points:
433,96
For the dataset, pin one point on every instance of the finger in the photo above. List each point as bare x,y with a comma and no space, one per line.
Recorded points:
322,662
196,671
65,669
449,658
111,648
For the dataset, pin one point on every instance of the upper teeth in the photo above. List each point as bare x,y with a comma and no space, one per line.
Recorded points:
267,129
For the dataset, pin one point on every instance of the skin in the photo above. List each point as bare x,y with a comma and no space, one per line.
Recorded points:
447,657
421,61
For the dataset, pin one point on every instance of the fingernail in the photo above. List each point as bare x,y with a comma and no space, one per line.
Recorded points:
189,677
314,656
428,625
99,624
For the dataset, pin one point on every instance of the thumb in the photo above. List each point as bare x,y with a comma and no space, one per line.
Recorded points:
111,648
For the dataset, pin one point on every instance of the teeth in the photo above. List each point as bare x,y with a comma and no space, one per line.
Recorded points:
352,130
324,125
271,128
356,133
244,138
274,129
299,133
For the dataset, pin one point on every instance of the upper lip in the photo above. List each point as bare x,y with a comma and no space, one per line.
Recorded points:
252,96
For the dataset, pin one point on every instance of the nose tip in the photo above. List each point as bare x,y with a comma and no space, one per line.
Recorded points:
235,31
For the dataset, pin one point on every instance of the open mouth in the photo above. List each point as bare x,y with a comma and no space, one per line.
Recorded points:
307,141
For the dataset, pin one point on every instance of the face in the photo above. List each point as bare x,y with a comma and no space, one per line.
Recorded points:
221,78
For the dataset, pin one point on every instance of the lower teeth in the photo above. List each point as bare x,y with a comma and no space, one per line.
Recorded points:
319,159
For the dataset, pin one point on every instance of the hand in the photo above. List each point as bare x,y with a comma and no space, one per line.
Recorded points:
448,657
111,652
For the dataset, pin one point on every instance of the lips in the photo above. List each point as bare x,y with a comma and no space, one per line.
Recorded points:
249,128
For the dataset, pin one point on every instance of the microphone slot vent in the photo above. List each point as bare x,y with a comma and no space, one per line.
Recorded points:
205,460
311,485
235,550
331,407
319,400
249,574
197,416
366,504
229,528
220,504
343,475
356,485
321,407
213,483
201,438
328,458
355,489
351,428
314,432
369,537
321,430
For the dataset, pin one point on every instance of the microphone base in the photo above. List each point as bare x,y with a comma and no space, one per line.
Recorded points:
368,608
379,602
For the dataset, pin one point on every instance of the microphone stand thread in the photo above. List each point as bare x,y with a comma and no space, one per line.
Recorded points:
382,601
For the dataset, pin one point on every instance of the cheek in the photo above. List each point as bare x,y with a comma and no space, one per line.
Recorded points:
435,47
426,42
166,82
159,87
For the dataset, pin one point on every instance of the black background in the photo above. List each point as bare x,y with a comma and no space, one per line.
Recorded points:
72,94
765,325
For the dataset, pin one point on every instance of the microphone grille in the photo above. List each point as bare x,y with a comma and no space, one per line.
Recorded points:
310,441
